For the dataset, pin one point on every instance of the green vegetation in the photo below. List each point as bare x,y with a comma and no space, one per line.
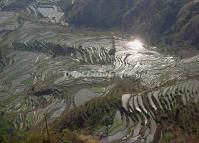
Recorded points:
181,124
167,137
118,123
8,134
95,113
67,136
3,49
3,59
27,82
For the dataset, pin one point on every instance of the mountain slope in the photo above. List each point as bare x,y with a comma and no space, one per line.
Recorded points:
174,22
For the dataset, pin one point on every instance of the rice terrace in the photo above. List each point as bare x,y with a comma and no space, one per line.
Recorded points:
99,71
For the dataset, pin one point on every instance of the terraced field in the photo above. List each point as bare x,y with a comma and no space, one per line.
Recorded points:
34,83
46,75
142,110
43,54
152,67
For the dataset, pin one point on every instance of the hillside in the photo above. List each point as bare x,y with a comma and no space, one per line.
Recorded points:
173,22
99,71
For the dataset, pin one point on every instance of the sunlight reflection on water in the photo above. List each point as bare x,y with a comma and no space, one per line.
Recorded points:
135,45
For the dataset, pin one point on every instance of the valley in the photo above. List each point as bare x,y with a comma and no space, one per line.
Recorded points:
106,85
